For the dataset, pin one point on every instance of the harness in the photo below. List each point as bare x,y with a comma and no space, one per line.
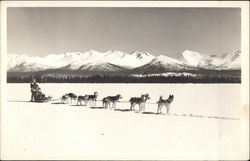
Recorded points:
162,101
168,101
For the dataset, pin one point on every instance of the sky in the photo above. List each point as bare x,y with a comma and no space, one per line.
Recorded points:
159,31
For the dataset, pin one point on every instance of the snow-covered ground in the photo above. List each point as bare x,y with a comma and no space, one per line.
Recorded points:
62,131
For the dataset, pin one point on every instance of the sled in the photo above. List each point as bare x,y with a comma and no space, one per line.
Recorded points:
41,98
46,99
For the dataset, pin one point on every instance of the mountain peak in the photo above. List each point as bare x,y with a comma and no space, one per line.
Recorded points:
115,53
91,58
166,60
194,53
140,54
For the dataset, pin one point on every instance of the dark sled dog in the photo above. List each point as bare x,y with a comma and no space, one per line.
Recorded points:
81,99
140,101
93,98
164,103
111,99
72,97
65,98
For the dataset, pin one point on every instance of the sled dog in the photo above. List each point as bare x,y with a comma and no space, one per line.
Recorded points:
81,99
73,97
140,101
93,98
65,98
111,99
164,103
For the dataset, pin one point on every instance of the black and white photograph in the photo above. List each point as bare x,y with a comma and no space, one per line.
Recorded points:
125,80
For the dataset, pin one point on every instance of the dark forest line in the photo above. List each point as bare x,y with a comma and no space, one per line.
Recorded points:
126,79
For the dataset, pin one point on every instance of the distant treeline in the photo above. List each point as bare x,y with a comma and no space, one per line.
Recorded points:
125,79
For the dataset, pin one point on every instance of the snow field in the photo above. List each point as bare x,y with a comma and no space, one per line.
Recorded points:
55,131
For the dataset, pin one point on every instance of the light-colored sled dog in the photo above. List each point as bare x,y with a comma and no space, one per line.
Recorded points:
164,103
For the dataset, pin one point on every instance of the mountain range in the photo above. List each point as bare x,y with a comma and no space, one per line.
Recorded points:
118,61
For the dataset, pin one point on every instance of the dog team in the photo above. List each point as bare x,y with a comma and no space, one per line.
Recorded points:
110,101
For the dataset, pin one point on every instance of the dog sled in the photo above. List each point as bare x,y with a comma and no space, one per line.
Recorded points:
40,97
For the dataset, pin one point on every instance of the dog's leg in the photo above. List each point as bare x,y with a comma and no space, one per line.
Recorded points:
168,108
105,104
144,108
161,108
134,106
158,108
113,105
109,105
131,107
140,107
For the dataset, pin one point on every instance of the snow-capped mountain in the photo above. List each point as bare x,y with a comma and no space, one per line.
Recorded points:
90,60
201,60
115,60
195,59
161,64
93,59
231,61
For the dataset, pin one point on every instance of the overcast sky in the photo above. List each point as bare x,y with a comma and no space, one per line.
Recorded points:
160,31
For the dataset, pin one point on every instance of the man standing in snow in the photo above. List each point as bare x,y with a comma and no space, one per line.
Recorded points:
34,87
